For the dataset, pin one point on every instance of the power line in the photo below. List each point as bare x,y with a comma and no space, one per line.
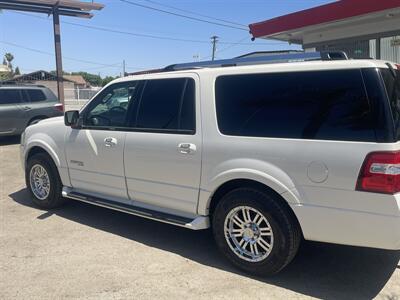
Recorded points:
118,31
68,58
226,48
134,34
51,54
116,65
232,45
105,29
181,15
195,13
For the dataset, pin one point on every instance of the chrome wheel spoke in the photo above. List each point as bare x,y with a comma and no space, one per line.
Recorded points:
237,232
39,182
253,249
248,233
238,221
47,189
246,215
257,218
245,245
263,244
265,231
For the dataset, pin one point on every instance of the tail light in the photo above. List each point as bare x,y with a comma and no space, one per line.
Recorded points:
59,107
380,173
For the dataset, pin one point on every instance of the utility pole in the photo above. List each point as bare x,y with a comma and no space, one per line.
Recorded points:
123,68
57,46
214,40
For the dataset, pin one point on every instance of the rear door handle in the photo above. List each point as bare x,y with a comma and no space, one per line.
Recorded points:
110,142
187,148
27,108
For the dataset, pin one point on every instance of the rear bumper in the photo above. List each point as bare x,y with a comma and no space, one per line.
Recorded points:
349,227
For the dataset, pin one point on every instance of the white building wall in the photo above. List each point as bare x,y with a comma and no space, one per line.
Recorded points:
372,48
390,49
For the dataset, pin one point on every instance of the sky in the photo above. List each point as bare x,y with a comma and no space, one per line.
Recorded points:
29,37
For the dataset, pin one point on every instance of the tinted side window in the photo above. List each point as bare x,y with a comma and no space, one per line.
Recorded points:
36,95
10,96
167,104
326,105
187,113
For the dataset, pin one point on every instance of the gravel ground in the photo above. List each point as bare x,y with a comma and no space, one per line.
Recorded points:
86,252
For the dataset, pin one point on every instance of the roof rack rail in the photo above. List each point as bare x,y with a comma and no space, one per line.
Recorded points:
20,84
257,60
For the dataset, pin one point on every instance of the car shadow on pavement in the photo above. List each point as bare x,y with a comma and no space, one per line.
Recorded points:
319,270
9,140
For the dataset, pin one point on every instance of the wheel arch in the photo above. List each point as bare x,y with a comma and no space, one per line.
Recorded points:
230,185
41,147
269,177
287,198
35,150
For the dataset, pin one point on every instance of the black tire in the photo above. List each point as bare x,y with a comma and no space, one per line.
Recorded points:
54,198
286,231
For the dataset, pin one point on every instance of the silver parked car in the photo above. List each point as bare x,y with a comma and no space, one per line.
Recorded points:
266,151
23,105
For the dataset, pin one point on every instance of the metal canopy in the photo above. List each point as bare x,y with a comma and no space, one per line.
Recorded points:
57,8
70,8
333,21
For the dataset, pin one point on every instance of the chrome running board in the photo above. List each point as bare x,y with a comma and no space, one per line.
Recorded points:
197,223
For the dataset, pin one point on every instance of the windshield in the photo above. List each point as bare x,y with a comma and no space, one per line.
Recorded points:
392,84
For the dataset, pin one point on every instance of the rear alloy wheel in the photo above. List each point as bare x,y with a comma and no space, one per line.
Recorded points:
248,233
256,231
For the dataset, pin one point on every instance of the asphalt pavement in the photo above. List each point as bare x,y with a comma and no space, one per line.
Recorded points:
81,251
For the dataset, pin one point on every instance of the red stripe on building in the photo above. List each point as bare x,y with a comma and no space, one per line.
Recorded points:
322,14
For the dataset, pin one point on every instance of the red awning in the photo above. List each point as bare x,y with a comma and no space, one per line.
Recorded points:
331,12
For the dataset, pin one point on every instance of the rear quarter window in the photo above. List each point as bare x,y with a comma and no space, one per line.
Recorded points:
36,95
392,85
325,105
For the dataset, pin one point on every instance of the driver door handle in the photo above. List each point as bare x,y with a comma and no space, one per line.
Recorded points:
186,148
110,142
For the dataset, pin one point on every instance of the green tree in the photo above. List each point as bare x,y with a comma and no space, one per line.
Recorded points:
17,71
55,73
9,58
93,79
4,76
107,80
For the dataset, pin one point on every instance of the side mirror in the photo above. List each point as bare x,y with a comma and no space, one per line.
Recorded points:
71,118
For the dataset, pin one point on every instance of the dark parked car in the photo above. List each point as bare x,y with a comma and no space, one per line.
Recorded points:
23,105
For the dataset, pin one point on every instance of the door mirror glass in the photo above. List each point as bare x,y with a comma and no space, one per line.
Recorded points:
71,118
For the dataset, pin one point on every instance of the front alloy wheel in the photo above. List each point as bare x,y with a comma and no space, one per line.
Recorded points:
43,181
39,182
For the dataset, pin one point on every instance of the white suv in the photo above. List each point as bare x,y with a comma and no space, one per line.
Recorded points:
266,151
